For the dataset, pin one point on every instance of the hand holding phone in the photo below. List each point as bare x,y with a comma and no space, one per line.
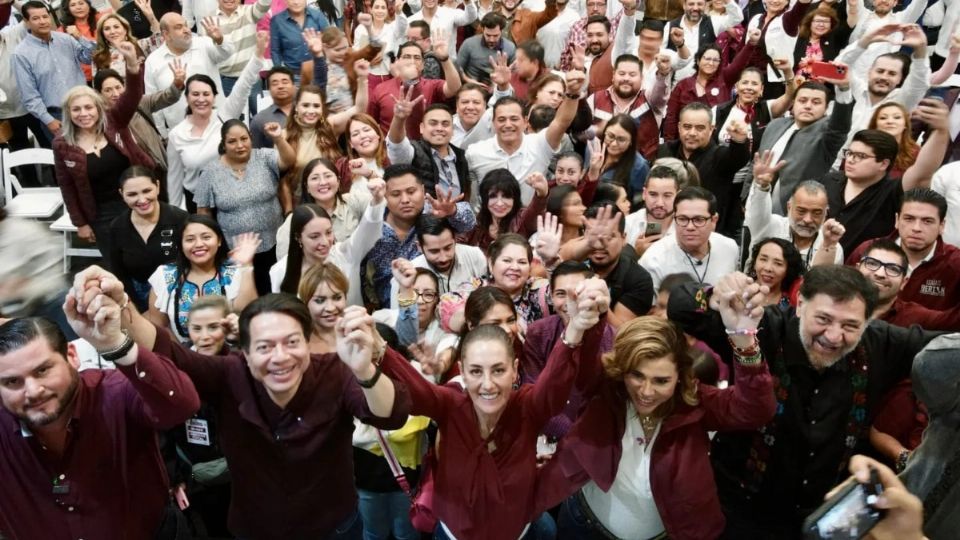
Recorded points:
849,513
827,70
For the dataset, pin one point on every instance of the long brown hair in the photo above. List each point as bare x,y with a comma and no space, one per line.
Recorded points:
907,146
364,118
326,138
101,55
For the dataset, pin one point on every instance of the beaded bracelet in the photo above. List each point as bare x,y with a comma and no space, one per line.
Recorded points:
743,332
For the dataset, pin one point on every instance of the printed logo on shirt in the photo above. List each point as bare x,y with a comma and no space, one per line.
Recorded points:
70,164
933,287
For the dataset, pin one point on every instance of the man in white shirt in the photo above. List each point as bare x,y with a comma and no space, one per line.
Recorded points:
553,35
946,182
700,29
805,224
885,74
454,264
238,24
473,122
882,15
695,248
655,219
444,19
517,151
198,54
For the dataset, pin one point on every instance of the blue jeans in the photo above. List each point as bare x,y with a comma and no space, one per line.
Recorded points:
229,82
385,514
574,523
544,528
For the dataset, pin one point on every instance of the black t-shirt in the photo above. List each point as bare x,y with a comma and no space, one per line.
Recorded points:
132,258
871,214
630,284
104,172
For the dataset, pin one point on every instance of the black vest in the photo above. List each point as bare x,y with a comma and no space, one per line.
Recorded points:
427,168
707,35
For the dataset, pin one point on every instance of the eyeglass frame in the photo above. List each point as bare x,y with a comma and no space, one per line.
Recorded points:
679,220
856,157
417,295
868,261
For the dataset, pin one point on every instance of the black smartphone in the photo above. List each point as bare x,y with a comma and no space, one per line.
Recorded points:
848,515
652,229
939,92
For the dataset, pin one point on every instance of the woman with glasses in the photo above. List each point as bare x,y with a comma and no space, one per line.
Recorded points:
622,163
820,34
312,242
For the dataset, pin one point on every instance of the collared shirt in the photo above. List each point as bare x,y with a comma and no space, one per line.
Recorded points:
287,47
304,438
110,482
469,264
11,36
391,246
202,57
447,177
636,226
46,70
483,129
272,113
533,155
446,18
553,35
240,28
665,257
926,258
578,37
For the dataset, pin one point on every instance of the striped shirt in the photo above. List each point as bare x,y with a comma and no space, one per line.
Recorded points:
240,28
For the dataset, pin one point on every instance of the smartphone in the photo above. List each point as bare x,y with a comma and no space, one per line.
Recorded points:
652,229
939,93
848,515
826,70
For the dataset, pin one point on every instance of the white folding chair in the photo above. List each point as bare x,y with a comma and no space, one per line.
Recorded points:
33,203
64,226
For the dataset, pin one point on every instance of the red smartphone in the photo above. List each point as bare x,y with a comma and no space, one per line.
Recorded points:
826,70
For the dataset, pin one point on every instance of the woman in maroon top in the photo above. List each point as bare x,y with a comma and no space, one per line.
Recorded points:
486,468
501,210
639,452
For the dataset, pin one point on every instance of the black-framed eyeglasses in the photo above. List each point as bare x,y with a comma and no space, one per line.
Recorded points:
856,156
698,221
891,269
426,296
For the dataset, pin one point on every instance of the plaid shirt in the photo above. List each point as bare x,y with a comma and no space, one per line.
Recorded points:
578,38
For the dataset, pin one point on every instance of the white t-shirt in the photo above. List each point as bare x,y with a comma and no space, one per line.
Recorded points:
636,226
665,257
534,155
946,182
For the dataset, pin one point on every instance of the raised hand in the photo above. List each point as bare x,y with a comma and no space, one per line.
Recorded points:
602,227
98,321
783,65
579,60
764,170
231,327
441,44
445,204
378,190
93,280
359,167
880,34
584,307
598,152
179,73
575,81
664,65
361,67
405,103
128,51
212,28
146,9
843,82
739,300
549,233
314,43
539,183
753,36
737,131
263,39
501,73
913,36
934,113
833,231
404,272
355,341
273,130
244,248
365,19
676,37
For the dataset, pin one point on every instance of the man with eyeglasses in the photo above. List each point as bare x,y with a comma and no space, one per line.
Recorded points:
695,248
863,198
884,263
409,69
832,367
454,264
627,95
419,33
932,264
717,164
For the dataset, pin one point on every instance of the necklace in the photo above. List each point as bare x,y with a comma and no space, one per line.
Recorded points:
694,265
649,423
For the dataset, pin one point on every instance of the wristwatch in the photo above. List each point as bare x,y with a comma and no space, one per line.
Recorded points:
372,381
119,352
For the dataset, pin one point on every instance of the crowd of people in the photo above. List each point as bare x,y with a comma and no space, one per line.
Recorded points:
481,269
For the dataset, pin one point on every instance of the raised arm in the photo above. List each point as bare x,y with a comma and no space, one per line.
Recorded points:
130,99
370,229
567,111
237,101
781,105
356,343
935,114
451,75
157,101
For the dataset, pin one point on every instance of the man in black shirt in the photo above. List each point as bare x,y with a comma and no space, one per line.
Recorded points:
831,367
631,288
863,198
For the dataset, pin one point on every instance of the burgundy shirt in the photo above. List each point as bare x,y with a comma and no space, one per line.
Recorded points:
291,468
385,98
484,488
111,482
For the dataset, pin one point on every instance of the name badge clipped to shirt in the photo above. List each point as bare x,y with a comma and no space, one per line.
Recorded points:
198,432
166,241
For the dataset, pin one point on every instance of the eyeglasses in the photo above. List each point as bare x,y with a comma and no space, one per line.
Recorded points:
609,137
698,221
891,269
854,157
426,296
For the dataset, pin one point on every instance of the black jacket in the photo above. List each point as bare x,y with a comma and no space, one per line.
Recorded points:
707,35
427,168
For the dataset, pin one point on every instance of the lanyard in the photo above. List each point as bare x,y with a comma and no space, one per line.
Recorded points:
694,266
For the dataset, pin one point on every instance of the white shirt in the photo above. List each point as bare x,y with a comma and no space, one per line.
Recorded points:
636,226
534,155
776,40
203,56
483,129
186,154
946,15
470,264
665,257
447,19
195,10
946,181
553,35
869,20
345,255
628,509
691,35
763,223
391,36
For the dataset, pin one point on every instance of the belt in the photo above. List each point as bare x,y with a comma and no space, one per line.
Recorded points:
598,525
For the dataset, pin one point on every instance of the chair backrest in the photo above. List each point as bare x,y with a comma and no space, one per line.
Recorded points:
29,156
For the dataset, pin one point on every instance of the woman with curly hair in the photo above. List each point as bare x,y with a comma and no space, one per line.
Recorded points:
894,118
113,29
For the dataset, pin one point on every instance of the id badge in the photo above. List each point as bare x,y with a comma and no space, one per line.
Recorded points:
167,243
198,432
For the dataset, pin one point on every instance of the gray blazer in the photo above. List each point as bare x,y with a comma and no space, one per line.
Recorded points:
810,152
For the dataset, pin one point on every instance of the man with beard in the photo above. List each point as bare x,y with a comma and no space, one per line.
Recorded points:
553,35
885,74
698,31
884,263
694,248
627,95
282,91
659,192
80,449
197,54
631,289
931,263
832,367
603,49
577,38
454,264
883,14
474,58
443,20
805,224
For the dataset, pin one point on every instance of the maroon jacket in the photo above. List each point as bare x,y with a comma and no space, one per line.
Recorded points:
681,474
70,161
935,284
909,313
524,224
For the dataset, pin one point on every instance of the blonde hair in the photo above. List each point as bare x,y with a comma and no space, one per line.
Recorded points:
652,338
322,273
77,92
687,174
907,146
101,55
